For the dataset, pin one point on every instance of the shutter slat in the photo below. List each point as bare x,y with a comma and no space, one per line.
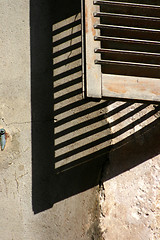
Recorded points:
127,23
103,50
127,63
125,16
126,4
105,26
126,40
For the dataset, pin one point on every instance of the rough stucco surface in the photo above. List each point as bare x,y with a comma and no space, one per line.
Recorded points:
15,165
129,198
127,206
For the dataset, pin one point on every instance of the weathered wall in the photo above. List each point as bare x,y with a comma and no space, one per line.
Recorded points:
129,198
59,145
15,160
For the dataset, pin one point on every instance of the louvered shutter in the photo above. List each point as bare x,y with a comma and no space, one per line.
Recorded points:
121,48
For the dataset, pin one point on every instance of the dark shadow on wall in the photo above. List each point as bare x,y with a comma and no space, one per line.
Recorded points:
70,135
62,165
134,150
41,102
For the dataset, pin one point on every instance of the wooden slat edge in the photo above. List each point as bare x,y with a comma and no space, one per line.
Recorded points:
120,86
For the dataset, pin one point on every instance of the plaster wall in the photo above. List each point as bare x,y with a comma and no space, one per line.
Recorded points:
129,197
72,168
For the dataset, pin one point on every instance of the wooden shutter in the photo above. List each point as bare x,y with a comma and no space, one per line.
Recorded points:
122,48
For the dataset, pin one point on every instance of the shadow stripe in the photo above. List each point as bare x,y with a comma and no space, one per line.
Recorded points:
80,114
67,73
67,61
66,96
78,126
66,27
80,137
67,84
65,39
68,49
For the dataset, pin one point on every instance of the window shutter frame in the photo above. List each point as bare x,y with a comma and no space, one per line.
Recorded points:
98,84
92,71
